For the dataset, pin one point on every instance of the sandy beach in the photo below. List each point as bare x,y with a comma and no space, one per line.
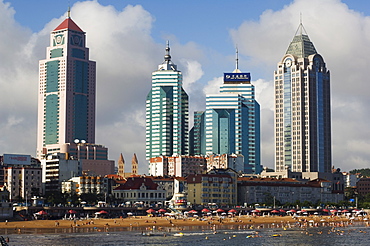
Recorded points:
162,222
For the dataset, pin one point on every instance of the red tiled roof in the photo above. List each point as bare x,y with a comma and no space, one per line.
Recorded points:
134,183
68,24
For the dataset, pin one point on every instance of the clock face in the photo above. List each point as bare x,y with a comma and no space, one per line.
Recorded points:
76,40
288,62
58,39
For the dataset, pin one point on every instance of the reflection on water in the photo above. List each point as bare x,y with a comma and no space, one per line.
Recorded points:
353,235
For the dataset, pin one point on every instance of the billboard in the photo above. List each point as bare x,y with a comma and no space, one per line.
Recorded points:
237,77
17,159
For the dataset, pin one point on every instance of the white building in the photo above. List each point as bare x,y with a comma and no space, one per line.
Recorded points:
56,169
85,184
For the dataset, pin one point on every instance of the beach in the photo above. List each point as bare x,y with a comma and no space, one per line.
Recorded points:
140,222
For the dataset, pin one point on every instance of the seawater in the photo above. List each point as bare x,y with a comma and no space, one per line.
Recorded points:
352,235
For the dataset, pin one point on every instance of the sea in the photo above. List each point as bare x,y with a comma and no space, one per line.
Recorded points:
357,234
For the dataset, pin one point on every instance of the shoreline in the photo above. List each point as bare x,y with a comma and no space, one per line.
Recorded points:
166,224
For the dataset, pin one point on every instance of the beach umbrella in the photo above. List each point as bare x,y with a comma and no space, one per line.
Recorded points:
333,211
282,211
292,211
129,213
220,210
345,211
103,212
42,212
255,211
223,213
325,210
72,211
162,210
274,211
204,210
232,211
150,211
193,212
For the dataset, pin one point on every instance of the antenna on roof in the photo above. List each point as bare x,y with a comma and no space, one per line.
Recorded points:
237,58
69,10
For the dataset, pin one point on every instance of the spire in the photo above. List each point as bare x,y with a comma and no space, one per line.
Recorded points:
69,12
167,64
301,45
167,57
237,61
135,164
121,166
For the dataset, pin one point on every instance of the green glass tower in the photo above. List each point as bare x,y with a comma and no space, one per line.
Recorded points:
167,112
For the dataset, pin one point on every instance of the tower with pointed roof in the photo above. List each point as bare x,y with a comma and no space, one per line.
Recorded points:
232,121
66,95
134,165
121,166
302,108
166,112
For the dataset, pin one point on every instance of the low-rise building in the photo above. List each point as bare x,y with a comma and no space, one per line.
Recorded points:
85,184
140,189
217,186
285,190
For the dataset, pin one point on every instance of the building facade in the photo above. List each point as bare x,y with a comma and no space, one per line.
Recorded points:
285,190
218,186
177,166
85,184
21,175
167,112
92,157
232,121
56,169
140,189
235,162
66,95
302,109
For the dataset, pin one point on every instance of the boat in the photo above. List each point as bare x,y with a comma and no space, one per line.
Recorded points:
180,234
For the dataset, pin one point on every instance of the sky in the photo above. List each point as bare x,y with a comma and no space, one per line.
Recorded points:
127,40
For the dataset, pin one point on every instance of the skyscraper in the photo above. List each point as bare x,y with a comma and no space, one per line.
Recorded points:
166,112
66,95
302,109
232,121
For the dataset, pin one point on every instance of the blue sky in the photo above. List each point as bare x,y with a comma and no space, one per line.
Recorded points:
127,41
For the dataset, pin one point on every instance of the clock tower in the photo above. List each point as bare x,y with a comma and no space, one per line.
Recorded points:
66,95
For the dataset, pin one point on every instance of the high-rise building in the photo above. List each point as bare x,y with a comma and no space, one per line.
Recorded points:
302,109
232,121
66,95
166,112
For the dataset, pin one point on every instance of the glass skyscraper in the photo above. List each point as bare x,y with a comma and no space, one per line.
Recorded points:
232,121
302,109
167,112
66,95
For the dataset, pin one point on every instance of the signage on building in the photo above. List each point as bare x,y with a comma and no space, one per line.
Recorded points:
17,159
237,77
